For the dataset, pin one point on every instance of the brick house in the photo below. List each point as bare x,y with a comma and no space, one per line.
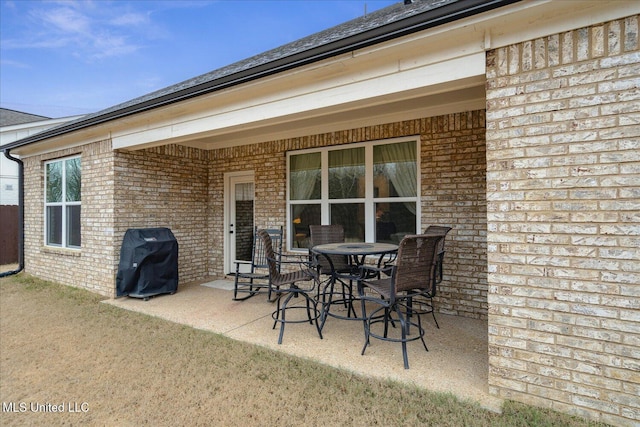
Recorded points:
15,125
520,120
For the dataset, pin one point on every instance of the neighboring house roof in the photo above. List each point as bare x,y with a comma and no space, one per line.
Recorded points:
385,24
11,117
17,125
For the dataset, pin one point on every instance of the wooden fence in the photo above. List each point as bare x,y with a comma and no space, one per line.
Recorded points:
8,234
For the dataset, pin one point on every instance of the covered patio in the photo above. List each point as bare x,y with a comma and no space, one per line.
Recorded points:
457,361
524,117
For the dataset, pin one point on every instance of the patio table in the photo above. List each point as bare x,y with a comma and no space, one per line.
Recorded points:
357,253
355,249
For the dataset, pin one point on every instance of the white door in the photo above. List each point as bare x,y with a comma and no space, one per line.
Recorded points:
239,199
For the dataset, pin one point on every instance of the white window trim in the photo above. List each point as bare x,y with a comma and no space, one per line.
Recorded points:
368,199
63,203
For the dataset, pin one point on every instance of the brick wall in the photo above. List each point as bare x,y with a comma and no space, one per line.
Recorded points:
563,179
165,187
92,267
183,189
453,193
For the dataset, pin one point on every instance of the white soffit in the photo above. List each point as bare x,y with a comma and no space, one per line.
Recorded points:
385,111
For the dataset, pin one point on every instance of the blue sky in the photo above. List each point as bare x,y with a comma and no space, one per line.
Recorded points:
61,58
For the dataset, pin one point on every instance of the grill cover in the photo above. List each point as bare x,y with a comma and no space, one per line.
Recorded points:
148,263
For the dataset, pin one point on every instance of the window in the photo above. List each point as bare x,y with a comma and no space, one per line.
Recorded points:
62,202
370,189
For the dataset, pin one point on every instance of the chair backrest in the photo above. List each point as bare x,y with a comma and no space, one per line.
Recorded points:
259,251
323,234
272,258
416,264
438,229
442,230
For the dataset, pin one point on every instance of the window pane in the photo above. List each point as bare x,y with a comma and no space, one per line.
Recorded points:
54,225
346,173
54,182
395,170
244,226
305,176
72,175
245,191
303,216
351,217
394,220
73,226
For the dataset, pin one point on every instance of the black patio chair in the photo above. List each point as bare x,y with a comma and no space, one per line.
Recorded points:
252,277
336,268
298,281
443,230
413,275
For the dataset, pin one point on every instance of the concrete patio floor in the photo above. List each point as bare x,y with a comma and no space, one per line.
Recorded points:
457,360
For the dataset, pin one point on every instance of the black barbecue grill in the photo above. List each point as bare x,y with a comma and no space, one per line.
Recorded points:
148,263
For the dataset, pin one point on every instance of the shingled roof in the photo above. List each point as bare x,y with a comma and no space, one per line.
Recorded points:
394,21
12,117
293,50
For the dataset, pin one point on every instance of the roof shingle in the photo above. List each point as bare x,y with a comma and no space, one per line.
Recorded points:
11,117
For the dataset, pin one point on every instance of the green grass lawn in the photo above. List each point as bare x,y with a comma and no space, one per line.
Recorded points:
62,346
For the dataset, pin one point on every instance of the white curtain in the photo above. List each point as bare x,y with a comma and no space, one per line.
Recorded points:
305,173
398,163
346,172
244,192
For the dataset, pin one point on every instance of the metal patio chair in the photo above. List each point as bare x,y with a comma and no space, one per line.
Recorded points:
443,230
252,277
298,280
336,268
413,275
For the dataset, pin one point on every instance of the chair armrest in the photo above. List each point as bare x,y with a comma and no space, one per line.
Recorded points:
368,271
294,259
240,262
387,259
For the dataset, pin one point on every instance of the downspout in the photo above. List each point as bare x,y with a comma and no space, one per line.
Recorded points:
20,215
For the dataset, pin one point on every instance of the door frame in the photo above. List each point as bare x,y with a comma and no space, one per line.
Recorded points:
230,180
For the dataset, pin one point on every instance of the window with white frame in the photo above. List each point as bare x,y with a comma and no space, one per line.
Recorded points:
371,189
62,202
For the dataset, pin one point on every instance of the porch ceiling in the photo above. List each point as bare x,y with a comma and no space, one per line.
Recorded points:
357,114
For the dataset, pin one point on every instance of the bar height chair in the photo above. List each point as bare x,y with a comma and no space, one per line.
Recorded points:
424,303
443,230
413,275
299,280
337,268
